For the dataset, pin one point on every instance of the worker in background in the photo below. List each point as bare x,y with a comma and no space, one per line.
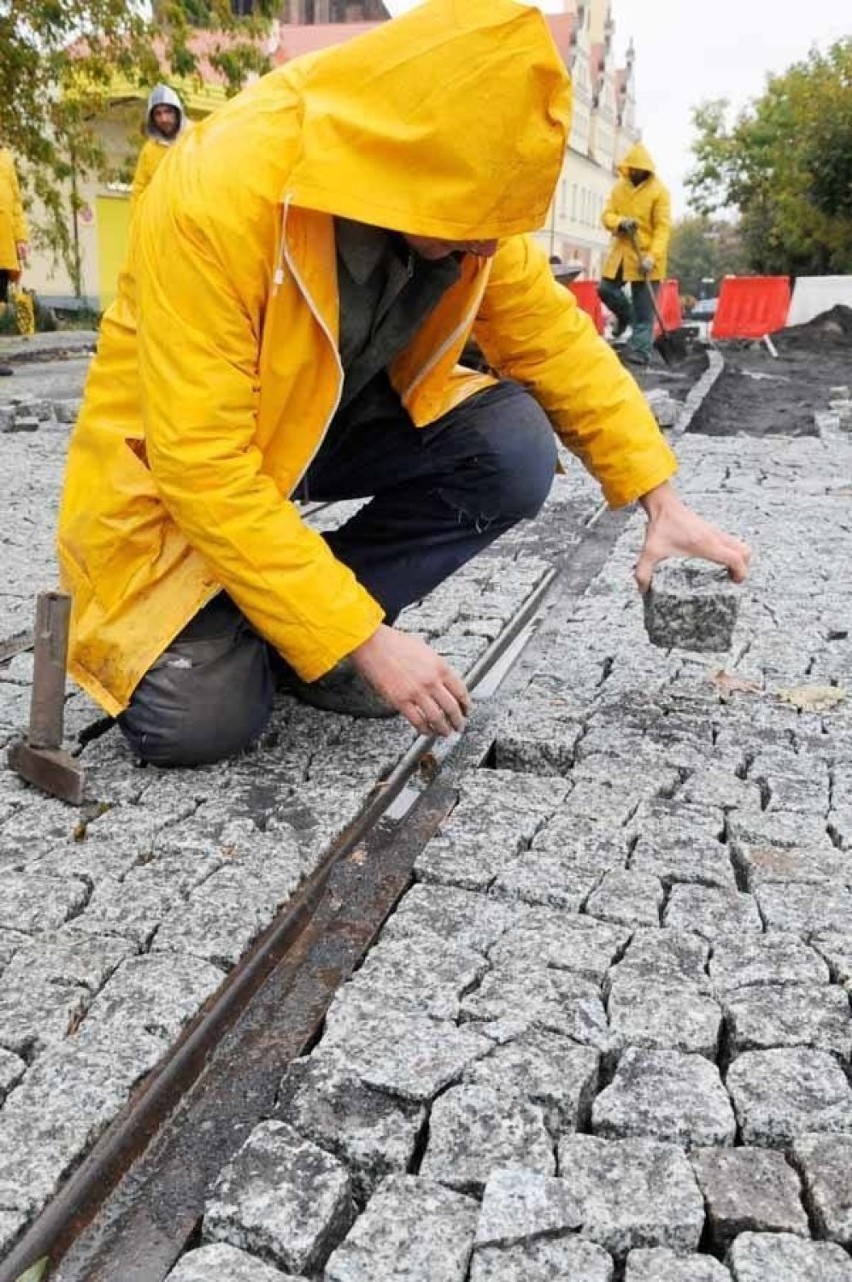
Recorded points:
14,234
638,214
165,121
302,279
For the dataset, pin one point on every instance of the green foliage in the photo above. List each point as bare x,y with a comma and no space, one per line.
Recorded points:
702,249
59,60
785,163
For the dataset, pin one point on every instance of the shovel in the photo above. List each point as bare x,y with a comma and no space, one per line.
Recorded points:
670,345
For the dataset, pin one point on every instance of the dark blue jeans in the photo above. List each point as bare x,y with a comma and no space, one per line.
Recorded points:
440,495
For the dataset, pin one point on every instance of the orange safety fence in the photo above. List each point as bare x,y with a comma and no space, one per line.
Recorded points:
586,294
751,307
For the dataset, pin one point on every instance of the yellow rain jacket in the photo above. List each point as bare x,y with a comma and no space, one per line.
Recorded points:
650,205
217,372
153,151
13,222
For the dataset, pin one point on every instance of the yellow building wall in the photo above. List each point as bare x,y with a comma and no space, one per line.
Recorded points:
112,229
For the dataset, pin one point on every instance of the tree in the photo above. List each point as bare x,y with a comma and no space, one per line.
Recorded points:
702,249
785,163
59,61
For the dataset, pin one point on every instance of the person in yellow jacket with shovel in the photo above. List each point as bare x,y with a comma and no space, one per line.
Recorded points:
14,233
638,213
302,279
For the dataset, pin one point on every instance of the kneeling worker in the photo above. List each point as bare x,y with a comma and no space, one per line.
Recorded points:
301,282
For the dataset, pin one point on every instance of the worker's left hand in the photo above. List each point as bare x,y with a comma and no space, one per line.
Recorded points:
647,264
675,530
23,252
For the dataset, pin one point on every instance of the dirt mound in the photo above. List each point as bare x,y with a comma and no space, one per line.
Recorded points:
830,329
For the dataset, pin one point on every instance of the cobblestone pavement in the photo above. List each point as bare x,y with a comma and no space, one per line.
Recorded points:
607,1031
119,921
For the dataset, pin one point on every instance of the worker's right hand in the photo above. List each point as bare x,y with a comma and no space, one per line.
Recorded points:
628,225
414,679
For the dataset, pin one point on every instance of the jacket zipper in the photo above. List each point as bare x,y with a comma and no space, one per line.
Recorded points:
466,321
278,279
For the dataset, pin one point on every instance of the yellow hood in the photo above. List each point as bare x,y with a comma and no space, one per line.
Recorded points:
450,121
638,157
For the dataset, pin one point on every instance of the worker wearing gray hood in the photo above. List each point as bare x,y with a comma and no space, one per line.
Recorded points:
164,123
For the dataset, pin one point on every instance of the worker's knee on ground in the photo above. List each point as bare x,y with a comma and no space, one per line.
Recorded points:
193,713
521,460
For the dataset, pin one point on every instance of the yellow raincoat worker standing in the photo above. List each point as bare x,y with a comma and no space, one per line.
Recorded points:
638,213
302,278
165,121
14,233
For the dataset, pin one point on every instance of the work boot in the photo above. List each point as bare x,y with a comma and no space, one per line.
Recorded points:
631,356
6,371
341,690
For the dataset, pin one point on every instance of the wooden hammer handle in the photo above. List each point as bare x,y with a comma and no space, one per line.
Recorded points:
50,653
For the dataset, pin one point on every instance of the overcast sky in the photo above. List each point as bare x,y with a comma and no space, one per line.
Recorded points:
687,52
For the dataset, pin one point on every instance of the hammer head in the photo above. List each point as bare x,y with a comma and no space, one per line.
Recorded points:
51,769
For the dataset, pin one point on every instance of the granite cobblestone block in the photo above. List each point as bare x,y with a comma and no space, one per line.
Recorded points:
712,912
815,1015
666,1096
781,1094
672,957
570,1259
542,998
546,1070
36,1016
835,948
222,1263
282,1198
825,1165
748,1189
664,1016
692,606
756,1257
12,1224
412,1229
804,909
703,862
472,1130
406,1055
660,1265
560,941
12,1069
426,974
633,1193
815,865
446,913
372,1133
526,1232
628,898
775,958
224,915
31,903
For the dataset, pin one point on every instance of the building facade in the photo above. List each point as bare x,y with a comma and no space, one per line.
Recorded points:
603,128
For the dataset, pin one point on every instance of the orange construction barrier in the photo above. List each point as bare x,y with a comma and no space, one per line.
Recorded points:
751,307
668,301
586,294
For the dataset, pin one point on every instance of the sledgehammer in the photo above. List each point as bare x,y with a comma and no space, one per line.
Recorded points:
40,758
